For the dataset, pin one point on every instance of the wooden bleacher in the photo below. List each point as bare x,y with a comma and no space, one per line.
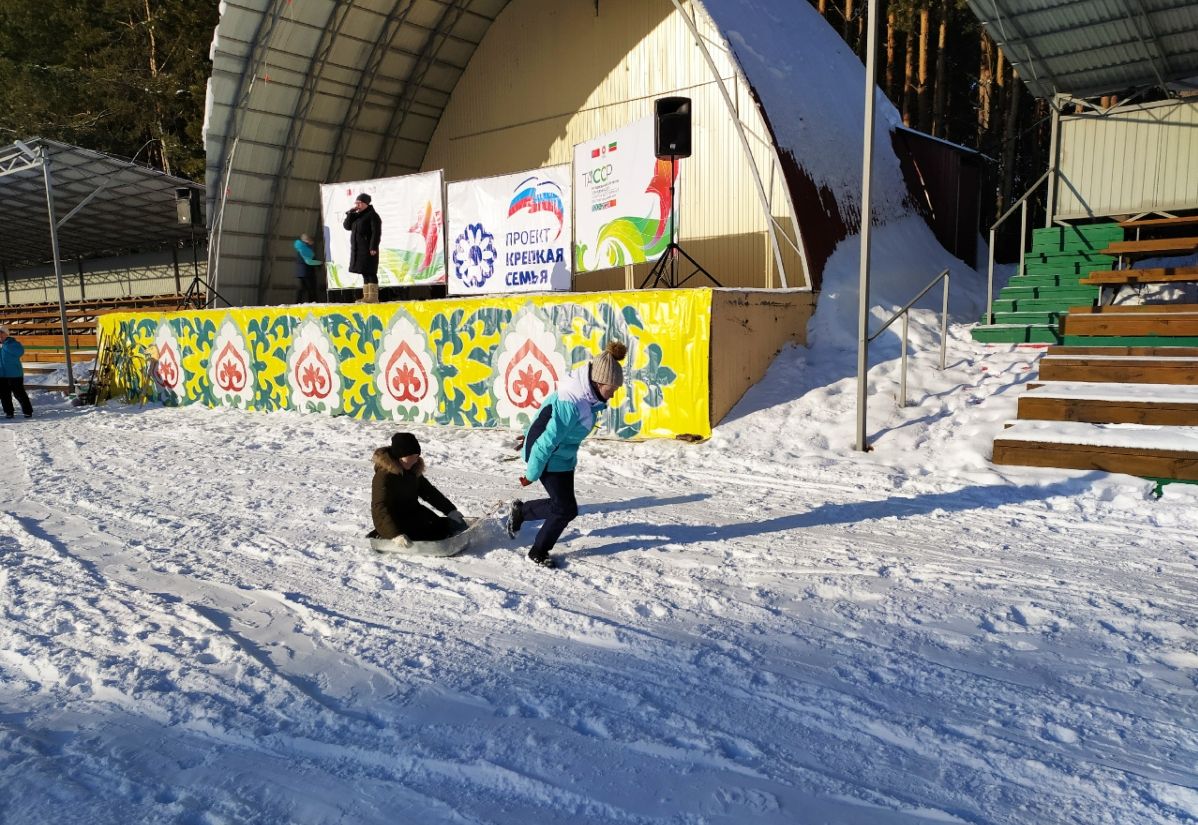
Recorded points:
38,326
1121,394
1152,246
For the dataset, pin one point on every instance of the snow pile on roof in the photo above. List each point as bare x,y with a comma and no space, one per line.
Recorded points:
812,87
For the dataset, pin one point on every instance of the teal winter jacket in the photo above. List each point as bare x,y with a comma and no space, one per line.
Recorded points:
10,358
566,417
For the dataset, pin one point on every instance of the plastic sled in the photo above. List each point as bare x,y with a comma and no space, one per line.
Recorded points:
446,547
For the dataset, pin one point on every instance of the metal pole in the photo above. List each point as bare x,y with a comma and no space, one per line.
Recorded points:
4,270
867,159
175,261
62,303
1022,235
903,366
79,264
990,283
944,322
1054,133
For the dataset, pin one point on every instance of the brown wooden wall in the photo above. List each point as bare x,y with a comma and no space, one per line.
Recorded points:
748,328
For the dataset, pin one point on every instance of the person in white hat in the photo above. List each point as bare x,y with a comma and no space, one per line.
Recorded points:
551,442
12,375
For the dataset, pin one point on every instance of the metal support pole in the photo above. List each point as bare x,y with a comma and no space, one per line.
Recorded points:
62,303
990,282
867,160
944,322
79,265
903,364
1022,235
4,270
175,261
1053,147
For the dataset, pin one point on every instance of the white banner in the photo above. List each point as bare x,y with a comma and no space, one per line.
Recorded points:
621,199
412,250
510,233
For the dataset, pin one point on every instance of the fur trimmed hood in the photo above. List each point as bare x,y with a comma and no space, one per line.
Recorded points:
387,463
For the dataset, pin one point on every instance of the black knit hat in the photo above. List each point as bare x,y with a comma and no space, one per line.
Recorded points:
403,444
365,199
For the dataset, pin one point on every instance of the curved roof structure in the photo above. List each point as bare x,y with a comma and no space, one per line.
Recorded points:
309,92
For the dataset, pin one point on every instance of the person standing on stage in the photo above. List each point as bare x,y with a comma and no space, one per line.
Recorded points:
305,269
365,232
12,375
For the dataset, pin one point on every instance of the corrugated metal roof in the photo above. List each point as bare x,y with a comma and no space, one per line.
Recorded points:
322,90
134,209
1088,48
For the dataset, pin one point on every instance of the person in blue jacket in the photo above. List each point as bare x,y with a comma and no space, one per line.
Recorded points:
305,268
12,375
551,442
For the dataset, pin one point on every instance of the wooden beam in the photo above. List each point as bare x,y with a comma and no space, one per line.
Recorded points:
1120,371
1100,411
1173,352
1155,246
1129,325
1160,223
1152,275
1172,464
1135,309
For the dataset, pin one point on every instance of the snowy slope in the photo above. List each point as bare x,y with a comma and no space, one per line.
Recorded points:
767,627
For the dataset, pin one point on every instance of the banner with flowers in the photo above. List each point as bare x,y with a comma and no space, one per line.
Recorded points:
468,362
622,202
510,233
412,249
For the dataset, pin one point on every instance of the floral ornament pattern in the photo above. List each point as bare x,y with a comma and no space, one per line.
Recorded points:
167,371
406,375
229,369
528,366
313,371
474,256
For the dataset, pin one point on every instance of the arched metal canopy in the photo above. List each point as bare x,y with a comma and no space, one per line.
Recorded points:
309,91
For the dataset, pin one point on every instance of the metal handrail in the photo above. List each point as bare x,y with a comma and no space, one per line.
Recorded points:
904,312
1022,204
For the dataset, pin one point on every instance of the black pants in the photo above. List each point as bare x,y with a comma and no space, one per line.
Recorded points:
419,523
558,510
305,289
10,387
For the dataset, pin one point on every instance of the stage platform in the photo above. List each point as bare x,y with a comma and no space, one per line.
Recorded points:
471,362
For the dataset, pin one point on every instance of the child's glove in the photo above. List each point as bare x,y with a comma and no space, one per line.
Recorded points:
402,540
524,482
456,516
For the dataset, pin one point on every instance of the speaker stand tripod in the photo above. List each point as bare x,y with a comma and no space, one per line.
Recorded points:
200,291
665,270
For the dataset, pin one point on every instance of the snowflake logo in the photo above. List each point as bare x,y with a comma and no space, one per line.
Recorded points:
474,256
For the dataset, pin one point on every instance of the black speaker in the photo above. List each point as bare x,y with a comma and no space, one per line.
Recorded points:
672,127
187,206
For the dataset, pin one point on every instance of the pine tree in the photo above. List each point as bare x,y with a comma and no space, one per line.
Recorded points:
127,77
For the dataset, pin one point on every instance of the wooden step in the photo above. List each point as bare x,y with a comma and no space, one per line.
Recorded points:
1175,352
1146,451
1135,309
1120,369
1160,223
56,356
1131,325
55,341
1154,246
1152,275
1105,403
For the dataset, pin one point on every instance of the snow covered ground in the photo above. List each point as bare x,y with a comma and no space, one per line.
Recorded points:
766,627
